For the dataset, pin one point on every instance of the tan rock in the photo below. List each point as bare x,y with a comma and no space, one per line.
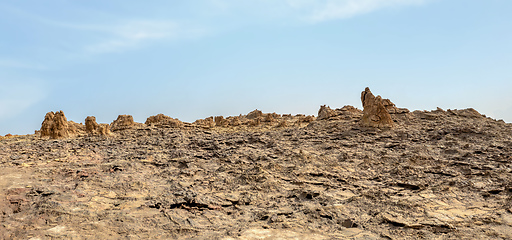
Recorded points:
92,127
122,122
325,112
56,126
375,113
46,126
270,118
60,126
283,124
255,114
255,122
235,121
221,122
161,120
469,113
307,119
205,123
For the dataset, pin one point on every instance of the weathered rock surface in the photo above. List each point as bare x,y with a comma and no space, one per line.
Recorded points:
375,113
162,120
56,126
123,122
92,127
434,175
325,112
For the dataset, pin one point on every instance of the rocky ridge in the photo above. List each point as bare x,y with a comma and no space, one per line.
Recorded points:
425,175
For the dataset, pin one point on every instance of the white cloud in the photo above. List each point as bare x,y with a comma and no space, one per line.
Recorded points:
324,10
312,11
332,9
132,34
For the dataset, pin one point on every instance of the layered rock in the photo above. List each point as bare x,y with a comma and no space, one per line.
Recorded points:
162,120
375,113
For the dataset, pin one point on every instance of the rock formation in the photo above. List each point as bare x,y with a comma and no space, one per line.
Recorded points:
56,126
235,121
221,122
92,127
255,114
122,122
204,123
325,112
161,120
375,113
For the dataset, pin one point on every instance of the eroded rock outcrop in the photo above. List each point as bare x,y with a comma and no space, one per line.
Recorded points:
375,113
122,122
205,123
92,127
161,120
325,112
255,114
56,126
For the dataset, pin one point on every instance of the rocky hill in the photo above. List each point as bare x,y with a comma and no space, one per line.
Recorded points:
378,173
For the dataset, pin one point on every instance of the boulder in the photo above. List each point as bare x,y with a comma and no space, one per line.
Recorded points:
375,113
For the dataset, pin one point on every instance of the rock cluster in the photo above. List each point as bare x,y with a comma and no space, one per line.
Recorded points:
434,175
375,113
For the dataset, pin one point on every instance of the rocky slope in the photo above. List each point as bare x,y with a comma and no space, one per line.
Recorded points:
425,175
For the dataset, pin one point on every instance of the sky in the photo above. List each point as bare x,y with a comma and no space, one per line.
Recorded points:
195,59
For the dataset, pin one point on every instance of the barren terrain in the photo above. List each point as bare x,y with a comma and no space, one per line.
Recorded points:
432,175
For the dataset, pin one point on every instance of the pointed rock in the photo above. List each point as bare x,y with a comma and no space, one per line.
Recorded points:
56,126
375,113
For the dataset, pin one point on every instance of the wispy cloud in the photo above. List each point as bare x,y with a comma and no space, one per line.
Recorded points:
132,34
10,63
324,10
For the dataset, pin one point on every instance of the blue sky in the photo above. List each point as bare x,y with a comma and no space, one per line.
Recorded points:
194,59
